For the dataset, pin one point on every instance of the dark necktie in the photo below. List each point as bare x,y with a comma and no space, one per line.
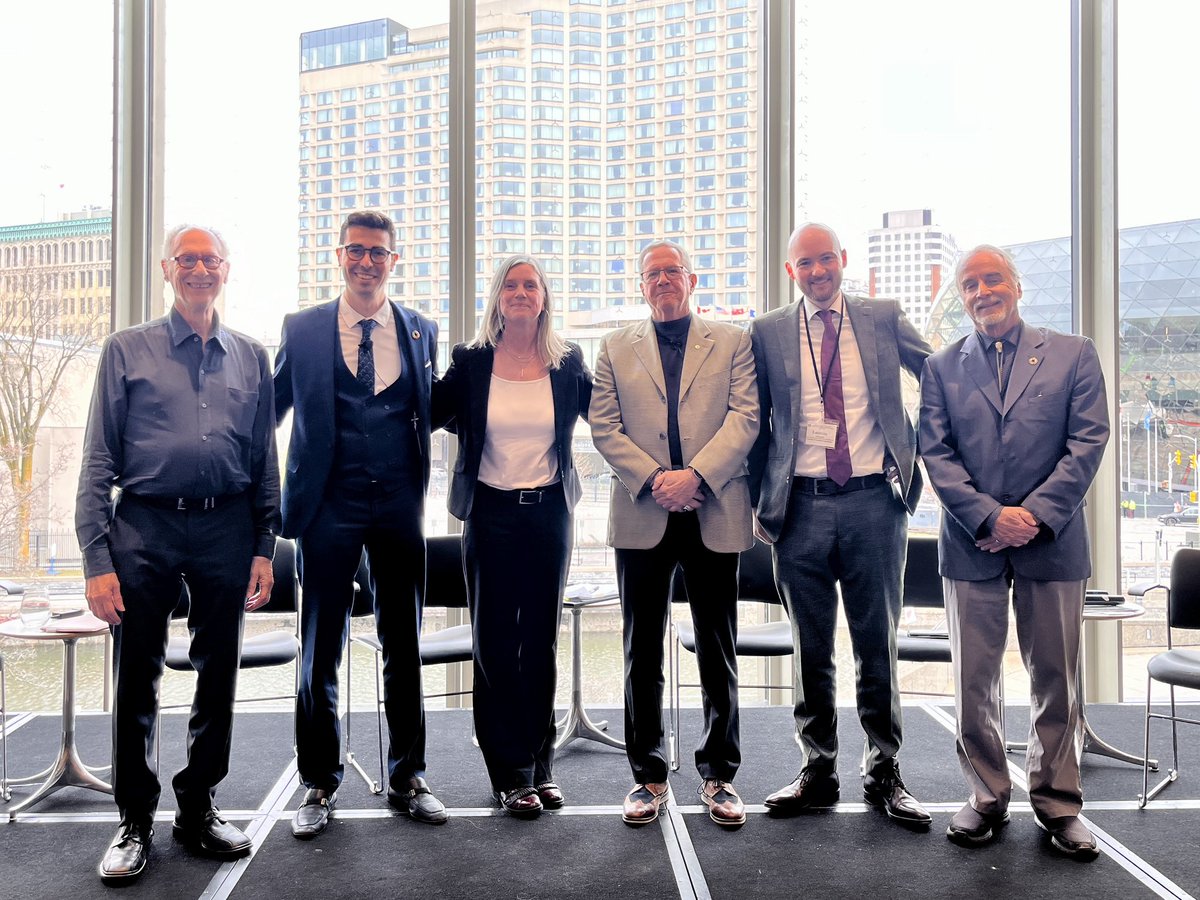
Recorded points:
1000,380
837,459
366,356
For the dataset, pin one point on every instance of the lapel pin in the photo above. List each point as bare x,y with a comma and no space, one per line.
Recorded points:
416,335
1033,360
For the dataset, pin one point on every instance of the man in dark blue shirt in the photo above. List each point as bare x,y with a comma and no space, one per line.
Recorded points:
181,422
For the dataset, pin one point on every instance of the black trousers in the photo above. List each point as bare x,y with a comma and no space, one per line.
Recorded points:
643,579
154,550
389,526
516,559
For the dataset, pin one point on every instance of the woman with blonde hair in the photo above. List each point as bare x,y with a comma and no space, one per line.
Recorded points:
513,396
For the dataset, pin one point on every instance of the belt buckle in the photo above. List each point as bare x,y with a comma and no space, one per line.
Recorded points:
181,504
210,503
820,486
533,498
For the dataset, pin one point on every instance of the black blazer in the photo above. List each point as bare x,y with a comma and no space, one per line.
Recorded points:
460,402
304,371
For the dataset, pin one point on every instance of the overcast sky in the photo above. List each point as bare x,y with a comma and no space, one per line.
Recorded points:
962,107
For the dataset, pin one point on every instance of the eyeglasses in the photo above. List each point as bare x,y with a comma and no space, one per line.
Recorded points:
670,271
358,251
189,261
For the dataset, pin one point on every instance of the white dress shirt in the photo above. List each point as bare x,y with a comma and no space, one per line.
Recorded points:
385,345
863,431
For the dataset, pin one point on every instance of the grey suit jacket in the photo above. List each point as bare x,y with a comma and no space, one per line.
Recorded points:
1039,448
718,421
887,343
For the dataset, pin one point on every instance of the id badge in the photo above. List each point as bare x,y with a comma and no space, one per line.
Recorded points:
823,434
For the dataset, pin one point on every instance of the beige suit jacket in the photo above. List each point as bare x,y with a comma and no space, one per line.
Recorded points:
718,422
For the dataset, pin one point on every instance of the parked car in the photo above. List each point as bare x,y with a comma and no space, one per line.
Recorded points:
1189,515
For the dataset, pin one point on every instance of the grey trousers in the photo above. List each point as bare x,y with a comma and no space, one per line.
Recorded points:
1049,623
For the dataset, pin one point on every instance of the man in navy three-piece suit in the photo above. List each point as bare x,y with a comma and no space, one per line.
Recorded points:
356,373
1013,425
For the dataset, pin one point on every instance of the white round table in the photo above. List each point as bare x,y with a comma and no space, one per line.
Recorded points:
68,769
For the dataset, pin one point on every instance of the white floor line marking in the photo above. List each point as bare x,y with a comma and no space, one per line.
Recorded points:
229,874
689,876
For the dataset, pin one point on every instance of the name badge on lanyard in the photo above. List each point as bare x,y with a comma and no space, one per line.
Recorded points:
823,434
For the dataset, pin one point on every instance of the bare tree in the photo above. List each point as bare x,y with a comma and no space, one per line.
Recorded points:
44,327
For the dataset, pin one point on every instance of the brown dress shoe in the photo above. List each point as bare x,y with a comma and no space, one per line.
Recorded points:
725,807
887,792
522,802
552,795
811,789
642,803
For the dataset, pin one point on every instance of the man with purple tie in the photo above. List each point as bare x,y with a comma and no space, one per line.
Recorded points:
833,479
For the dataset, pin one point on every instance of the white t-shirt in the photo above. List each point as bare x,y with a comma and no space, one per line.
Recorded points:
518,445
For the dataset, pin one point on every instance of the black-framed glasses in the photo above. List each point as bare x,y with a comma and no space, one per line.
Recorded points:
358,251
189,261
672,272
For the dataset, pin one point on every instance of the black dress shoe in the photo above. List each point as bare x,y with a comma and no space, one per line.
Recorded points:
523,802
811,789
416,799
212,834
971,828
313,815
551,795
887,792
1070,836
128,853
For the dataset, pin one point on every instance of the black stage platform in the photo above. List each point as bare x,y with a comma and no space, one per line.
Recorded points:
586,851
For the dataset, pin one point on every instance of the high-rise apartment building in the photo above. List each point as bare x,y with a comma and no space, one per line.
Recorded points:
909,258
56,277
598,129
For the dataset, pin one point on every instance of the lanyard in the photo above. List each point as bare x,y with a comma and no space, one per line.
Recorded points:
822,383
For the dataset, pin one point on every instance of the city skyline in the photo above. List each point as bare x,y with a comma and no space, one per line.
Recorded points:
905,120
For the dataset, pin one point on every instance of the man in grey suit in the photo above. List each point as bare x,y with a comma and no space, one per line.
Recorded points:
1014,422
834,478
673,412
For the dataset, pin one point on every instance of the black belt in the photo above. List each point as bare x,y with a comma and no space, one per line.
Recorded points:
186,504
825,486
529,497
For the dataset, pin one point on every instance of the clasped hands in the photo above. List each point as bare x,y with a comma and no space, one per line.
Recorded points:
677,490
1015,527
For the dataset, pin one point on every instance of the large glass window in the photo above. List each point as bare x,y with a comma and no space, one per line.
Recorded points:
55,307
55,273
915,157
1159,303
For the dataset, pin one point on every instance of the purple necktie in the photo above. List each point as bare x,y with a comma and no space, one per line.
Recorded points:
837,460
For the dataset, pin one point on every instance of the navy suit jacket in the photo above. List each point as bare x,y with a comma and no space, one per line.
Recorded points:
1039,448
887,343
309,353
460,403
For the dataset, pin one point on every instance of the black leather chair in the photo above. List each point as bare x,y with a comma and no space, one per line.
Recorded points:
1174,667
274,648
445,585
923,590
756,584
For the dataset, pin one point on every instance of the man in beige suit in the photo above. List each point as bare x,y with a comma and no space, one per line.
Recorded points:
674,411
